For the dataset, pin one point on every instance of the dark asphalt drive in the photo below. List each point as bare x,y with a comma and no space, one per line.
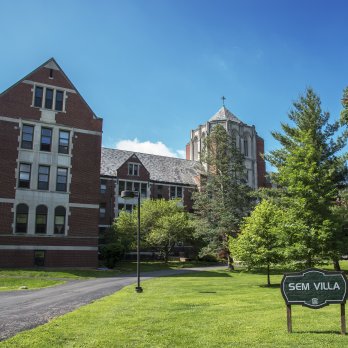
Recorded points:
24,310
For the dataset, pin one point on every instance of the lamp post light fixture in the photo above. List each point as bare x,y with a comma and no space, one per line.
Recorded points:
129,195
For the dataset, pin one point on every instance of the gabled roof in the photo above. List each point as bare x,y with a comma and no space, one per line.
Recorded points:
224,114
161,168
51,64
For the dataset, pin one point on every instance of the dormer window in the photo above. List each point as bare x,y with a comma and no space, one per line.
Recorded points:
49,98
133,169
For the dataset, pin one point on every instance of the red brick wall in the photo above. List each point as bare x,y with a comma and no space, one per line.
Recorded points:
108,198
8,155
261,165
53,258
83,222
6,218
122,172
85,169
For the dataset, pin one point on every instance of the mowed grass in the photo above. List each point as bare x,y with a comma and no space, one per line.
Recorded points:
206,309
13,279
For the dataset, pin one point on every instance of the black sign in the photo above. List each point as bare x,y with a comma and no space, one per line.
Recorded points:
314,288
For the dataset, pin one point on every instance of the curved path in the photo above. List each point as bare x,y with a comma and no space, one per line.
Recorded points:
24,310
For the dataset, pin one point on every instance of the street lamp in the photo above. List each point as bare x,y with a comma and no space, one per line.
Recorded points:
129,195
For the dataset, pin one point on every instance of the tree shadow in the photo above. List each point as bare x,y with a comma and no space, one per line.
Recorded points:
326,332
275,286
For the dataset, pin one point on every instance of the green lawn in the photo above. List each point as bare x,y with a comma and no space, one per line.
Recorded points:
13,279
208,309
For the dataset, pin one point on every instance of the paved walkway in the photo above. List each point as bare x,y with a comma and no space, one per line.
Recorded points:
24,310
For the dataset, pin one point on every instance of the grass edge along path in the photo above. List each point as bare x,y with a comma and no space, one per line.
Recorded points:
203,309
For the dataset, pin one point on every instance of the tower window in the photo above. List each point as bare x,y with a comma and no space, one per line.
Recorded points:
46,139
63,146
27,137
41,219
24,175
246,150
49,98
38,96
22,211
59,220
44,175
133,169
59,100
62,179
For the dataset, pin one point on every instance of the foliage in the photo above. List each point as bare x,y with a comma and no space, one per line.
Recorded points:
223,199
260,243
309,173
163,224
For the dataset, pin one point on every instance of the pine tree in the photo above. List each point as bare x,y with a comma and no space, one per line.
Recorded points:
309,168
223,199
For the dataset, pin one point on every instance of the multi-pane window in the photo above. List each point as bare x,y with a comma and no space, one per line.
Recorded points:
46,139
246,150
22,211
136,186
27,137
62,179
102,186
44,178
24,175
38,96
144,190
41,219
59,100
63,145
175,192
121,186
49,98
59,220
133,169
102,210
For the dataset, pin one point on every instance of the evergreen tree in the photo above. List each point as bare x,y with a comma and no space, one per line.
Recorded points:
309,171
222,200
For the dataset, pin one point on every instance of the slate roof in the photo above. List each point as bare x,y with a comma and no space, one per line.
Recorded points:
225,114
161,168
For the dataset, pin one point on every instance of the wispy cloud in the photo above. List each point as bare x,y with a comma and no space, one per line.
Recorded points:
157,148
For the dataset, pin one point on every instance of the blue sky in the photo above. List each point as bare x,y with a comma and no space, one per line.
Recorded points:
155,69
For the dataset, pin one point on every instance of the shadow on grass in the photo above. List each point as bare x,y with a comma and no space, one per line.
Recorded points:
327,332
276,286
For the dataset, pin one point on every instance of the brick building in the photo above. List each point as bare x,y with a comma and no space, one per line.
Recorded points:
60,190
151,175
49,187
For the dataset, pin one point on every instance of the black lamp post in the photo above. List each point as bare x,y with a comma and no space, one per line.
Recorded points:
128,195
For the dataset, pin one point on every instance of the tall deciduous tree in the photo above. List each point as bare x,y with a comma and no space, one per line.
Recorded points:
223,198
309,168
259,243
163,224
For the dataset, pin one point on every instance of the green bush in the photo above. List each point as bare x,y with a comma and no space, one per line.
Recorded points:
111,253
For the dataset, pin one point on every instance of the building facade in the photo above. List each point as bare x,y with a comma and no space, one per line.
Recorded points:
245,137
153,176
49,190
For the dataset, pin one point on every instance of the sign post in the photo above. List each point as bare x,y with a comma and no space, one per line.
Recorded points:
315,288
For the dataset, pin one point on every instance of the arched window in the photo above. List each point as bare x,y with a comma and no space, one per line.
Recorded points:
59,220
41,219
22,211
246,147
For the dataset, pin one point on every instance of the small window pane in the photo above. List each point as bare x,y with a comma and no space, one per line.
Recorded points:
49,98
121,186
46,139
43,181
59,100
38,96
179,192
63,146
24,175
27,137
136,186
62,177
143,190
59,220
22,218
129,186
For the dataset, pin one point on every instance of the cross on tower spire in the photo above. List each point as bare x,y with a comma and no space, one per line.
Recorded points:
223,100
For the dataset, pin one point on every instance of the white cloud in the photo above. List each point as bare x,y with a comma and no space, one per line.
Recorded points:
157,148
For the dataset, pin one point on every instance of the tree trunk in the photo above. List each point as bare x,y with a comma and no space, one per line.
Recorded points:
336,265
230,262
268,276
